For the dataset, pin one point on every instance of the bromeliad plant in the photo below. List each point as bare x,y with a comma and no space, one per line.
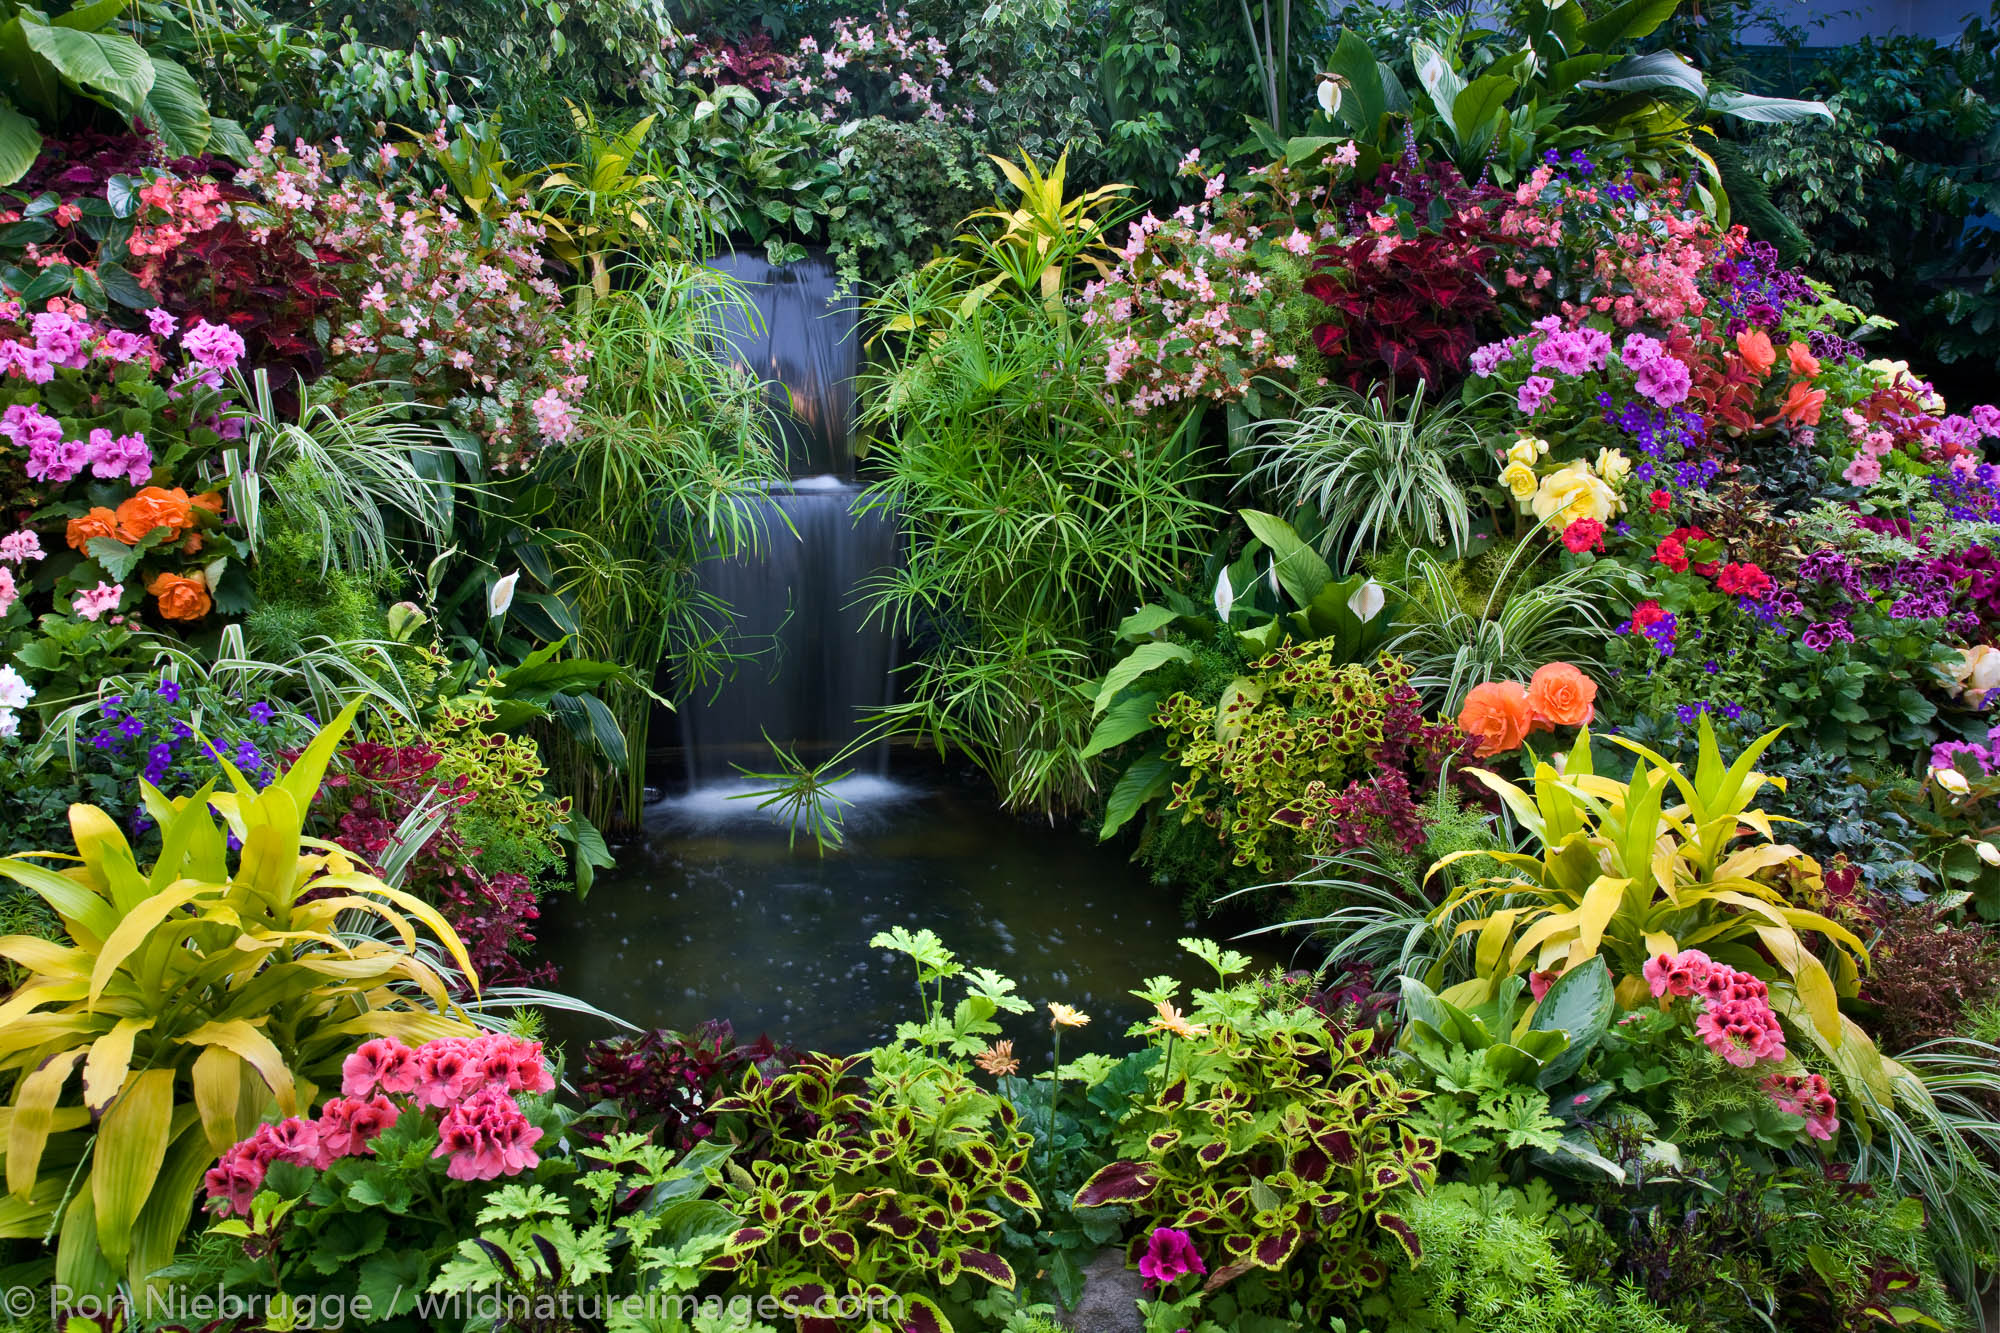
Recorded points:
191,996
1624,875
1268,1140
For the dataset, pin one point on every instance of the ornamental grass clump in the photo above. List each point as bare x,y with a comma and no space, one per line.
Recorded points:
192,997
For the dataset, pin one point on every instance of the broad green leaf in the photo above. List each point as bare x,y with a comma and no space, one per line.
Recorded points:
1300,571
1146,657
1129,717
1148,777
104,65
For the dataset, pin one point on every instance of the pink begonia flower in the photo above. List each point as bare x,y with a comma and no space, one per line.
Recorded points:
1865,469
91,603
347,1125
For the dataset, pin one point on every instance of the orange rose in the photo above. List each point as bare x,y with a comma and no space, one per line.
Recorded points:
1499,714
181,597
1562,696
1802,404
99,522
1803,361
155,508
1755,348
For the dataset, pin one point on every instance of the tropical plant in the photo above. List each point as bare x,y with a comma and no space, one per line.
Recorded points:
1029,250
837,1214
193,995
1520,626
48,59
674,450
1032,507
1373,474
1623,874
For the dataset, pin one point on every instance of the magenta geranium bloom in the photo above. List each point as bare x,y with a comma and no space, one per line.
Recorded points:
1169,1254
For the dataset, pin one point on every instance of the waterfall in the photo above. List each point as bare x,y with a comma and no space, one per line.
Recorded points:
818,670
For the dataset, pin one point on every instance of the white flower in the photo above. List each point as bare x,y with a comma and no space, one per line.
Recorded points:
1225,596
1329,95
501,595
14,692
1951,780
10,723
1988,853
1367,601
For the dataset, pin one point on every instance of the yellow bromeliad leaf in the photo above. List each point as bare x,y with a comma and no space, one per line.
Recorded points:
110,1058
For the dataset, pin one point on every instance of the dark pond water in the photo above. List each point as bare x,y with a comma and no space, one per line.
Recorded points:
712,915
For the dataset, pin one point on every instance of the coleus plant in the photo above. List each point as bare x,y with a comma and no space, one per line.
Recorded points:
882,1194
1277,591
1271,1142
883,1207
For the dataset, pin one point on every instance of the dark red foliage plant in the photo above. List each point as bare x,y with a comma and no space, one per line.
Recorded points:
665,1081
1925,974
370,790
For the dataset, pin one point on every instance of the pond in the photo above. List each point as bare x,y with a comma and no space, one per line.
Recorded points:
712,915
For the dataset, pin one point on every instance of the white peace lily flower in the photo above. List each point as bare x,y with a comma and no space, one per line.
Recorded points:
1367,601
1225,596
1329,95
501,595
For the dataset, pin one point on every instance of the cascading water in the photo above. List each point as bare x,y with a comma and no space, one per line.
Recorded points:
817,669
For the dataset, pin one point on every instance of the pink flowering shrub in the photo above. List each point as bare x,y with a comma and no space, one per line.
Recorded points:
458,307
1205,303
464,1090
1734,1019
859,67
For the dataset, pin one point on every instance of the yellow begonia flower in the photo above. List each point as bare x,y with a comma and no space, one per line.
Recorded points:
1572,492
1527,451
1613,465
1520,479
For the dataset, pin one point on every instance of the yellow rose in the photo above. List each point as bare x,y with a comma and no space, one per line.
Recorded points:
1520,479
1613,465
1572,492
1885,370
1527,451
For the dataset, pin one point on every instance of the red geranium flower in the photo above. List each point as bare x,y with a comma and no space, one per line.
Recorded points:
1671,553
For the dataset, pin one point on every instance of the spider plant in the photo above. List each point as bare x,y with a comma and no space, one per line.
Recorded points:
355,480
1518,628
1936,1135
1373,474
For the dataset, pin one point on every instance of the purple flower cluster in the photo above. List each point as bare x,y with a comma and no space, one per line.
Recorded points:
1984,758
1757,289
51,458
